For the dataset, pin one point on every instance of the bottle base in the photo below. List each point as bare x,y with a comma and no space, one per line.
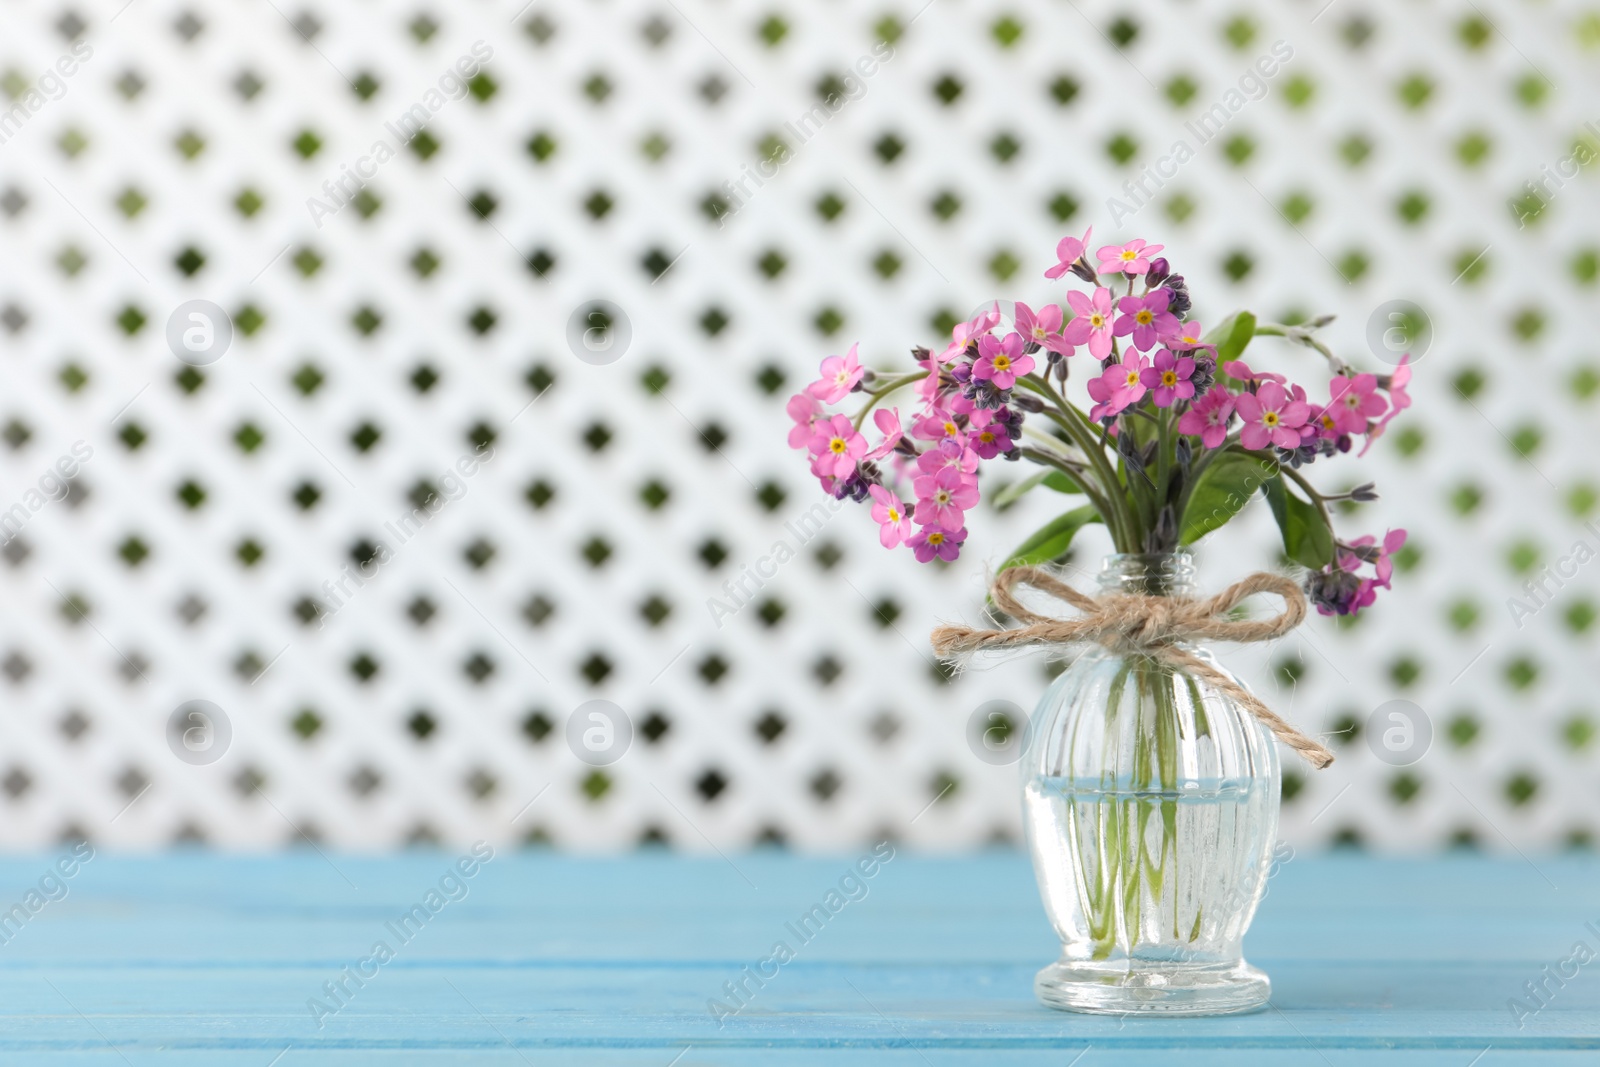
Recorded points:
1116,989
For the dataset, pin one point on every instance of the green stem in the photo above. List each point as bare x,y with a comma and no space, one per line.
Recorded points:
1142,492
1092,439
1315,497
1119,519
1110,865
1163,450
894,384
1273,329
1076,471
1206,459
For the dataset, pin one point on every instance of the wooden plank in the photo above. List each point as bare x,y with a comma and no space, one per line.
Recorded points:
1083,1056
559,959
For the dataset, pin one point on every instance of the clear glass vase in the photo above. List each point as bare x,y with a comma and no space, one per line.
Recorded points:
1151,805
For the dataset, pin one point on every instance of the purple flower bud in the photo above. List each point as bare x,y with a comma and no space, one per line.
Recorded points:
1164,535
1129,449
1178,303
1297,457
983,394
1334,589
1159,269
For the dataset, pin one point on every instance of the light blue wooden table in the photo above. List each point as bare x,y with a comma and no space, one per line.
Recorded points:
544,959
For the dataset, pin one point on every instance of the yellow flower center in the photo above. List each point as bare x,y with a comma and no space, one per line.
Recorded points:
987,437
1169,378
1097,320
894,514
837,446
1145,317
1269,418
950,429
1129,255
936,539
1002,363
1133,377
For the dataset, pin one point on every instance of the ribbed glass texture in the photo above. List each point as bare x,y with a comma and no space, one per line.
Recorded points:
1151,806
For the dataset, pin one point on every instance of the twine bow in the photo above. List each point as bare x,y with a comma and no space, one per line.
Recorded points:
1146,625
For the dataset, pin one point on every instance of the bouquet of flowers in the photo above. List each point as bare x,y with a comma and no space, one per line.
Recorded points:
1175,434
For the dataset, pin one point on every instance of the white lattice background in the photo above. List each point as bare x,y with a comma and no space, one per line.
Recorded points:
373,351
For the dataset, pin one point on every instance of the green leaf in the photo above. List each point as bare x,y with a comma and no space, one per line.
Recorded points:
1053,478
1052,540
1017,490
1062,483
1306,537
1225,487
1222,330
1232,336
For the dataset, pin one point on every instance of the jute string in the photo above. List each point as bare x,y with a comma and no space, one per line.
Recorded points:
1134,624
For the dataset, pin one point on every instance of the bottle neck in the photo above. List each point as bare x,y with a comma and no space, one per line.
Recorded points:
1148,573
